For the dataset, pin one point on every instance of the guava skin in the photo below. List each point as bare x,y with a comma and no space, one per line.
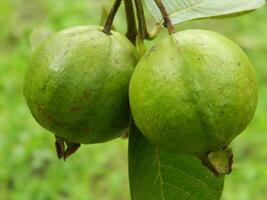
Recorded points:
77,83
193,92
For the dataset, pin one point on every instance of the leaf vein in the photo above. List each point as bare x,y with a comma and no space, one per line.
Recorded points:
183,190
160,175
199,180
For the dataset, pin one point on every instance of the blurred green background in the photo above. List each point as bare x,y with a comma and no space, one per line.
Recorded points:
29,168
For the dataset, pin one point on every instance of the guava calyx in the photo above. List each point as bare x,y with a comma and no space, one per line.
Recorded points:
62,151
219,162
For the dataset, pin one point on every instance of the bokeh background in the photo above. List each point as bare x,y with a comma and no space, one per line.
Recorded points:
29,168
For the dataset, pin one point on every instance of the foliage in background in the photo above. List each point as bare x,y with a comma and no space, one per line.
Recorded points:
184,10
29,168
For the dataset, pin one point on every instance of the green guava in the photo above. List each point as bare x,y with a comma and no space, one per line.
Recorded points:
77,83
193,92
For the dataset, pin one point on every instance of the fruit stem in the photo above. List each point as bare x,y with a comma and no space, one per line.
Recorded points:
111,15
142,29
104,15
167,21
131,24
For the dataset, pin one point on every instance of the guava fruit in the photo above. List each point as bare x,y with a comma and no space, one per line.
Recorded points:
193,92
77,83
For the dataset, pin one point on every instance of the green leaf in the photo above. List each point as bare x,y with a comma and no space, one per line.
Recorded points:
156,174
184,10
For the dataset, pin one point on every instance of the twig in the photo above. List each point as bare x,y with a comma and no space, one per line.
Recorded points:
142,29
167,21
131,24
104,15
110,18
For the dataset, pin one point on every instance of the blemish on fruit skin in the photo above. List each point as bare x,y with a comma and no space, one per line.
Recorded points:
86,93
87,130
76,109
150,51
43,88
65,52
43,112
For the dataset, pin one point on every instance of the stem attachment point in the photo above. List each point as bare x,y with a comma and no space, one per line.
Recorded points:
167,21
111,16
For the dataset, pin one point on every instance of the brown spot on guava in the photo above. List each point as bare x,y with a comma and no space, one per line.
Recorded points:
151,50
125,135
86,93
76,109
87,130
44,113
43,88
66,52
